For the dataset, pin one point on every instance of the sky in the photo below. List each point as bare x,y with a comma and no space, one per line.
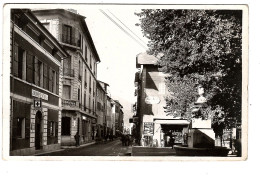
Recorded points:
116,49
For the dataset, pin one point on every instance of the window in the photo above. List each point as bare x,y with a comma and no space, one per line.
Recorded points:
37,71
29,67
45,76
51,128
90,61
86,53
20,127
86,77
65,126
85,99
80,71
89,100
66,92
52,80
21,60
67,34
89,84
79,40
79,95
57,82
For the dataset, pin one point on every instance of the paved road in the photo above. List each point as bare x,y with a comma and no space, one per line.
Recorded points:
111,148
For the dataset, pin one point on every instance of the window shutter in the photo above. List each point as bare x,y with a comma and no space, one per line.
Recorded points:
45,76
27,127
63,33
36,70
29,67
73,36
48,128
56,129
15,61
14,121
50,79
57,83
76,36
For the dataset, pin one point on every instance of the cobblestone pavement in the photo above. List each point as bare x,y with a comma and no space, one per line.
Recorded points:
110,148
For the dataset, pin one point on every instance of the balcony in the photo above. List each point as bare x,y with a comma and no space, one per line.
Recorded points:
68,72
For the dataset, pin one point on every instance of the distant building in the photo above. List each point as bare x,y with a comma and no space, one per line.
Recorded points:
80,73
119,115
152,126
36,86
101,111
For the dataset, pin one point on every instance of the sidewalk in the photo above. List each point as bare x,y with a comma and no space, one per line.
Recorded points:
62,148
152,151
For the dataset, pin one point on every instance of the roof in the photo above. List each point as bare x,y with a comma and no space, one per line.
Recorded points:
145,59
81,19
45,31
116,101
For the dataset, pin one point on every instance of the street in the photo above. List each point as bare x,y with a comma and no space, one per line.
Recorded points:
109,148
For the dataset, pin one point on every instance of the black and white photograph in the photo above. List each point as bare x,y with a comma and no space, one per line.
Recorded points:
125,82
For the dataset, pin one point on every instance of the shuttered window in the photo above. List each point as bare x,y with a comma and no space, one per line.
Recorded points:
57,82
37,71
45,76
29,67
15,61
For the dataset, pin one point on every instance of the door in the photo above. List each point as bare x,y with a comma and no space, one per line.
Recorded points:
38,125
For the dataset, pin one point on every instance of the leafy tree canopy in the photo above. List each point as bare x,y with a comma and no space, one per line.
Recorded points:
198,47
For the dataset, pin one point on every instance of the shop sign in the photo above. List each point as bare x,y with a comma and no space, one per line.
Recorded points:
152,100
37,103
148,128
40,95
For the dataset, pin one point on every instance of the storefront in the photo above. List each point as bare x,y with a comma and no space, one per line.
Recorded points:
158,132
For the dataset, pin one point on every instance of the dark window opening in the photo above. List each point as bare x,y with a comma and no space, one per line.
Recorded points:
65,124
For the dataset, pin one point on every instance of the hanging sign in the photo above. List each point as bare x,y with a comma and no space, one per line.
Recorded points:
37,103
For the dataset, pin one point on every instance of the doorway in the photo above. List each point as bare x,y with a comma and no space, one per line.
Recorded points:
38,130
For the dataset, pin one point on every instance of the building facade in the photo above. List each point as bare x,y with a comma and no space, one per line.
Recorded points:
101,111
80,73
118,116
152,126
36,86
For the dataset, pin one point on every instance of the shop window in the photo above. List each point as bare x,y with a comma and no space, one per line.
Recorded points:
20,127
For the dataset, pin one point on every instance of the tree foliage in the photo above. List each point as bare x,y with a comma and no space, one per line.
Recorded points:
198,47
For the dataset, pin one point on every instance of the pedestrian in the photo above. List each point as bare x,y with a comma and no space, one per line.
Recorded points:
123,138
171,142
77,137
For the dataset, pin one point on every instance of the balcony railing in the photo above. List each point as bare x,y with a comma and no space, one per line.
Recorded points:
68,72
69,103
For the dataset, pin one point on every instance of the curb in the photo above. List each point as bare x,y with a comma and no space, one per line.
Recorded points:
82,145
